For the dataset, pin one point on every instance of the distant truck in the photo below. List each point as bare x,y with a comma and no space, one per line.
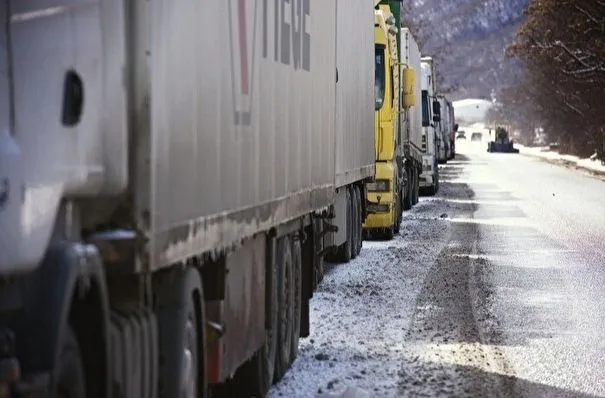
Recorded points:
171,178
431,116
411,122
446,130
453,130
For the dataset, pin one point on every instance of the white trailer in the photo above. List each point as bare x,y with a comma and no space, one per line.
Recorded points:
443,130
355,163
167,170
429,179
411,121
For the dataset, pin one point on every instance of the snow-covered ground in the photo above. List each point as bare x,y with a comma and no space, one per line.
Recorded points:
545,153
385,322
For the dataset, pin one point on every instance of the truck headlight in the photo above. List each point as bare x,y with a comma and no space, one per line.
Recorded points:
379,186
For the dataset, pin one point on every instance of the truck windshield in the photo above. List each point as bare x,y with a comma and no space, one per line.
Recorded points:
379,76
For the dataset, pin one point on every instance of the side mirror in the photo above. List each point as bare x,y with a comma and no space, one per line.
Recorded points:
436,108
456,127
336,75
425,109
436,118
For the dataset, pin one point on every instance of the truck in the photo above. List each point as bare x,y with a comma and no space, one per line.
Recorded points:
385,193
169,188
447,130
355,164
431,116
454,131
412,116
450,126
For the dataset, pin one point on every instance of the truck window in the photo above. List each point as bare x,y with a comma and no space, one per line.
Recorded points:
425,109
379,75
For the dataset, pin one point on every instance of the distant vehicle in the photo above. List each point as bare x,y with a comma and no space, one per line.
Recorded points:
502,142
476,136
461,135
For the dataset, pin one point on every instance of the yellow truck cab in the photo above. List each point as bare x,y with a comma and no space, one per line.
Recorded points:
384,194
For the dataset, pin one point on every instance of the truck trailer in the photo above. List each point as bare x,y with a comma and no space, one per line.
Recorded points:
446,128
354,126
429,179
412,116
170,185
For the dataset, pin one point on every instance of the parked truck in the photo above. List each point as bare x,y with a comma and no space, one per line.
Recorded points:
169,186
446,128
431,116
354,126
454,131
412,116
385,194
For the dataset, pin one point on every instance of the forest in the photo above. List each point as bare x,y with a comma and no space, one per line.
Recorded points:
561,85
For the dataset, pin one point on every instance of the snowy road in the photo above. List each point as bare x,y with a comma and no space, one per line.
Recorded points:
494,288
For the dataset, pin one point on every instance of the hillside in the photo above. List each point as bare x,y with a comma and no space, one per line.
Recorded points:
468,39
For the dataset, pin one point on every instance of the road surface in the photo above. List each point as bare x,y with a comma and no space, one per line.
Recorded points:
496,287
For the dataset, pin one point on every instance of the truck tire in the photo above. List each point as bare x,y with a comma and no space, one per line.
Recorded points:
297,304
407,203
70,376
343,253
357,222
181,327
258,373
354,217
360,220
285,301
416,191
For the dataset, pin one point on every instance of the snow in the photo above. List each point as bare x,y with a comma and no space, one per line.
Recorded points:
545,153
363,312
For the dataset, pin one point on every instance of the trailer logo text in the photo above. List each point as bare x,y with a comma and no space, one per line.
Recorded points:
285,40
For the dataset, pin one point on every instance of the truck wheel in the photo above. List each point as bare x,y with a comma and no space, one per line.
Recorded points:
407,203
70,377
416,191
297,304
258,373
343,253
181,326
355,222
360,220
285,299
389,233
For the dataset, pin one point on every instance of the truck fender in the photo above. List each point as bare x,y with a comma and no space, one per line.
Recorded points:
67,289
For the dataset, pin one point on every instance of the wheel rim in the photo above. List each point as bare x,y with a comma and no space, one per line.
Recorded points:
189,365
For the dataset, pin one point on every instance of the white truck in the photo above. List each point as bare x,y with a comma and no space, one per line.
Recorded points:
448,129
445,129
412,118
168,179
355,155
429,179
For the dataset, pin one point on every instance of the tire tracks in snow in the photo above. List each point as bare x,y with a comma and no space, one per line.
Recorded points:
451,346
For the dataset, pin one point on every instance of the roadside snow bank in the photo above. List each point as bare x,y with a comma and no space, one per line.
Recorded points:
545,153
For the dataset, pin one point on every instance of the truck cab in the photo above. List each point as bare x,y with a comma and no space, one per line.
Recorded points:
384,193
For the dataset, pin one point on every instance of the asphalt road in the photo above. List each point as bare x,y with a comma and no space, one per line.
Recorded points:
540,271
494,288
